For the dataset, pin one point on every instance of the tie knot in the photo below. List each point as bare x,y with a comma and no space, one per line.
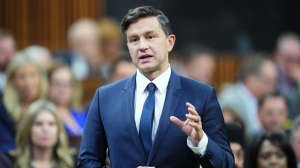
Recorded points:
151,87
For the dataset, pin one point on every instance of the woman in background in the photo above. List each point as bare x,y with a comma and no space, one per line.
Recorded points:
41,139
26,82
65,93
272,150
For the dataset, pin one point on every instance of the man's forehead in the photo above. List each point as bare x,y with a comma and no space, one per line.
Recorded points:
145,25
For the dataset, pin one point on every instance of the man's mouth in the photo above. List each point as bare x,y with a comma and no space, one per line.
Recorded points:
145,56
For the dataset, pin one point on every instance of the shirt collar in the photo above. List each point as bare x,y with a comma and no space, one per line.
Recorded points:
161,82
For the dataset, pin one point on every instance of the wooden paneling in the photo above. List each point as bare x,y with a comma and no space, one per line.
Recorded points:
226,70
45,22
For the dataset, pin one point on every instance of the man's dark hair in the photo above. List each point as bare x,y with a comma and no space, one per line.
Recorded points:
5,33
146,11
265,97
252,65
193,50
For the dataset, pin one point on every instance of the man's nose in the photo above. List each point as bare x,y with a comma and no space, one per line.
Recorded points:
143,44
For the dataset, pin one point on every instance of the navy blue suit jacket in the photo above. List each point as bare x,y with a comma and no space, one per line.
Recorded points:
110,124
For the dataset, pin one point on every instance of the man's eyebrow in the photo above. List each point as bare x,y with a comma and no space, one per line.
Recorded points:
132,35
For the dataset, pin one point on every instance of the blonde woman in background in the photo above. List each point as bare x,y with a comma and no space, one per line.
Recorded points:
41,139
26,82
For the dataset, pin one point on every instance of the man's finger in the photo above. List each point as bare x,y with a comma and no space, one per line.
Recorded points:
190,105
176,121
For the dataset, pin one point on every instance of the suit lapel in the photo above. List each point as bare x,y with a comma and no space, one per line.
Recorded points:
172,98
128,112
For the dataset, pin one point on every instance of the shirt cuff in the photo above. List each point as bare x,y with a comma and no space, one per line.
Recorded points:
201,148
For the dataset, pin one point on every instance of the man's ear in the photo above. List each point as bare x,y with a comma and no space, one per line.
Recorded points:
171,42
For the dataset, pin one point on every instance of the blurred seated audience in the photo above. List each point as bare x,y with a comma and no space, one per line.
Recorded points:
230,117
236,140
272,150
293,98
199,63
122,67
272,113
7,50
7,131
26,82
84,54
295,138
41,139
287,58
111,41
257,77
65,93
40,54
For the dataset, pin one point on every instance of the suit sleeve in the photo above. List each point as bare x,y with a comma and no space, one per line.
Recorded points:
94,144
218,152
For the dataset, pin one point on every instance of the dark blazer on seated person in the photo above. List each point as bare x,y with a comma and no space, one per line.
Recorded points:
111,125
7,130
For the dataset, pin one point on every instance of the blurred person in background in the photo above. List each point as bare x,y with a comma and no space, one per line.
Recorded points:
7,50
236,140
41,139
272,113
257,77
272,150
295,138
65,92
230,117
199,63
287,58
26,82
84,55
112,41
40,54
122,67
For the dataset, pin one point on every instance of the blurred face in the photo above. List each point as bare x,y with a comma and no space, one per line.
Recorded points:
296,144
149,46
7,50
27,81
288,58
61,87
266,81
271,156
202,68
238,153
123,70
273,114
44,130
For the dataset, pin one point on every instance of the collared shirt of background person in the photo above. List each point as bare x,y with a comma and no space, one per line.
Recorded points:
271,150
115,113
272,113
295,138
256,77
26,82
42,140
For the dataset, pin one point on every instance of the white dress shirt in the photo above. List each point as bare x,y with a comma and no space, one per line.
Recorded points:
141,93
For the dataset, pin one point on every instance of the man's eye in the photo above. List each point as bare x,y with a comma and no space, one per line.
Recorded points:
134,40
150,37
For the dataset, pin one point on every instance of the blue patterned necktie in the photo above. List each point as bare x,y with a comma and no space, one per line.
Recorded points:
146,121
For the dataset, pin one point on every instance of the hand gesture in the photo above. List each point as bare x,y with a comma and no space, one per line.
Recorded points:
192,126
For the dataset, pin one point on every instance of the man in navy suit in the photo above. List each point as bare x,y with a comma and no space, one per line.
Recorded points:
187,127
